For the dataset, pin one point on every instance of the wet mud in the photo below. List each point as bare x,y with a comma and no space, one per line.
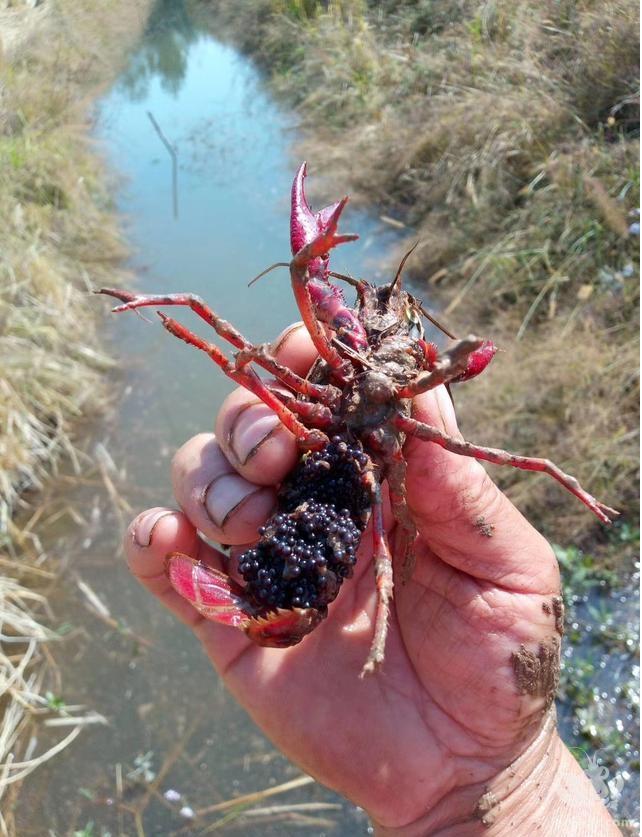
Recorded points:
538,673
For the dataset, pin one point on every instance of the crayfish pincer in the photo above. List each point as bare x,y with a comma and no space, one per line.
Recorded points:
351,416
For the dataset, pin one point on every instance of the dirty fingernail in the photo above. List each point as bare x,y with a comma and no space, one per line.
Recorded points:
224,495
250,430
144,525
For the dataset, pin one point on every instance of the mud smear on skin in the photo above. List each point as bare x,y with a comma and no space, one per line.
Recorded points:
558,610
538,673
487,808
484,528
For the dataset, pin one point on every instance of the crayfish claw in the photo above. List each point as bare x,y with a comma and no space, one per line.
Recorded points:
478,360
213,593
220,599
313,234
305,225
282,628
303,222
324,215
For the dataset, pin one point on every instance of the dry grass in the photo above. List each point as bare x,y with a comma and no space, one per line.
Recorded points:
536,409
57,239
504,134
24,663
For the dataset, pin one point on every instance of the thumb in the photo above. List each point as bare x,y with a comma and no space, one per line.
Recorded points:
464,518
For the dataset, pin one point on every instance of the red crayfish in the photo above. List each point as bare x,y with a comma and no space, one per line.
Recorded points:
351,415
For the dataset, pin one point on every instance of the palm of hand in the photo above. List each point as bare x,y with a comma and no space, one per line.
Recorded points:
445,705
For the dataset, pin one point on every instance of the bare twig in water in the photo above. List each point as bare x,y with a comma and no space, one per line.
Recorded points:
308,807
173,154
293,815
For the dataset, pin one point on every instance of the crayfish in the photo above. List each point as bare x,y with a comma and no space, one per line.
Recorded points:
350,415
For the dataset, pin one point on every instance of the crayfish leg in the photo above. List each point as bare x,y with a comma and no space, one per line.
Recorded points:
247,350
396,477
384,582
246,377
501,457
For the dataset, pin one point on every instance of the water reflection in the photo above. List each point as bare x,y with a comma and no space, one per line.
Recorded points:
163,53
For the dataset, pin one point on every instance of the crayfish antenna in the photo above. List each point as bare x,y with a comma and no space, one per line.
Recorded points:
434,320
395,285
356,283
266,271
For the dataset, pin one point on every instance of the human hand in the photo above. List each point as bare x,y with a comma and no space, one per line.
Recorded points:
472,654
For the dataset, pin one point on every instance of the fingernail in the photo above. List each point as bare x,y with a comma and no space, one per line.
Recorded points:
250,430
145,523
280,342
224,495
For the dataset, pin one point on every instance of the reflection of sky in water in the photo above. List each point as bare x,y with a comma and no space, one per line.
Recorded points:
227,215
234,183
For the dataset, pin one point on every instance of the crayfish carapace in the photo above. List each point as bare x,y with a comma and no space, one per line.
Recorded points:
350,416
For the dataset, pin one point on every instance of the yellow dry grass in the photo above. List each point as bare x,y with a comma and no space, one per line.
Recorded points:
58,238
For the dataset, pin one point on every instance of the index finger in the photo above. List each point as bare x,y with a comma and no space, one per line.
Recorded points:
252,437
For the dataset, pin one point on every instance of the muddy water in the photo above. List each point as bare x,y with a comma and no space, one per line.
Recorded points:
226,220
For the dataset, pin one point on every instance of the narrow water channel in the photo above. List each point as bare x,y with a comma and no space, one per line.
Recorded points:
228,219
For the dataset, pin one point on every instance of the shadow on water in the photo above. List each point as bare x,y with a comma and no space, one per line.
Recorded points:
171,723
